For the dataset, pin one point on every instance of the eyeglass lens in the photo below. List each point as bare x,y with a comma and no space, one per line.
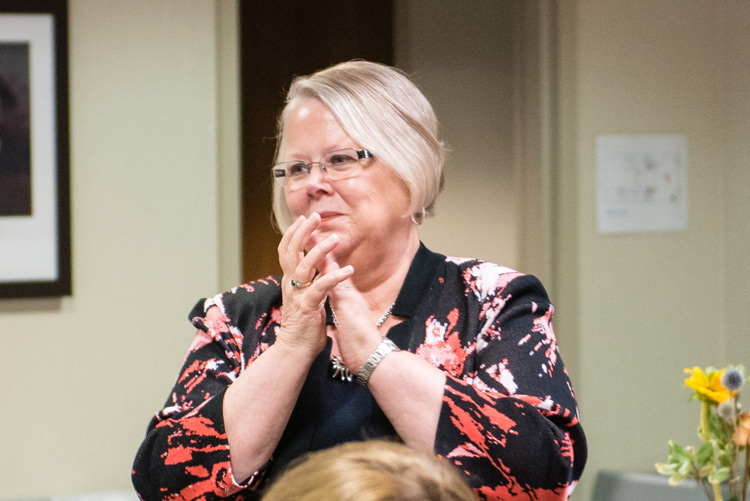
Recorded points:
338,164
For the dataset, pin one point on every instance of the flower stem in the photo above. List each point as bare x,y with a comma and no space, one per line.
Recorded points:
734,477
744,472
696,475
717,491
705,490
703,427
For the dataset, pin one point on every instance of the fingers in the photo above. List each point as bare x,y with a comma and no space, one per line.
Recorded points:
292,245
301,236
300,267
305,286
287,236
303,319
333,278
304,273
308,276
313,296
316,257
342,282
292,251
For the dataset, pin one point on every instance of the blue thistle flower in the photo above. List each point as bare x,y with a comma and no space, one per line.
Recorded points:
732,379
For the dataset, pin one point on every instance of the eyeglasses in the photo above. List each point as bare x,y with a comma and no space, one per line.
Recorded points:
339,164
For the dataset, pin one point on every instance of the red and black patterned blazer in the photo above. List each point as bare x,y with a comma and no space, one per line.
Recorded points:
508,421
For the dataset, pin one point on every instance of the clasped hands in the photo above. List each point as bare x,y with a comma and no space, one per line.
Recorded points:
311,274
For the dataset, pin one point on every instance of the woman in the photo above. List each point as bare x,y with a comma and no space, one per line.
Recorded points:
374,470
457,357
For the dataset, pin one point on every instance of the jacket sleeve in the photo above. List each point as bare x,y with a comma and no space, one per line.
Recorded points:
509,418
185,454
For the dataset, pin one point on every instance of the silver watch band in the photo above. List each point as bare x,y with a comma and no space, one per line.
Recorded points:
385,347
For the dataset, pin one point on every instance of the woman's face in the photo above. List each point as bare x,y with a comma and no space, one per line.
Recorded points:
365,210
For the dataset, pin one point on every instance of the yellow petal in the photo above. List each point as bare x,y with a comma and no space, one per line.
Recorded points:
697,378
716,380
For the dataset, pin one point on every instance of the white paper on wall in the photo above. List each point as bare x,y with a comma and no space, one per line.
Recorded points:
641,183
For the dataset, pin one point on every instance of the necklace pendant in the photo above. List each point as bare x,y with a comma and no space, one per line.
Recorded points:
337,369
340,371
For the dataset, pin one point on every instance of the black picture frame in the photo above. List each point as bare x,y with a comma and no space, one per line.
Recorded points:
35,235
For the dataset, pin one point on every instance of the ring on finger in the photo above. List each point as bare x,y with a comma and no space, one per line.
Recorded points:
298,284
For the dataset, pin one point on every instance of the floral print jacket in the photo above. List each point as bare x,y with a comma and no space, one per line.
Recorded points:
508,421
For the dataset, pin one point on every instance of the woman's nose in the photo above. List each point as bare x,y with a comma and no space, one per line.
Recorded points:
317,179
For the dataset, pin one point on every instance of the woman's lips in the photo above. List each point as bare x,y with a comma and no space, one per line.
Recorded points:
328,215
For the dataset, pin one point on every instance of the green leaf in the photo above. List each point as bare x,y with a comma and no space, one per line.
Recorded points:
677,453
725,459
684,467
706,470
675,480
675,448
719,475
719,429
666,468
705,454
685,453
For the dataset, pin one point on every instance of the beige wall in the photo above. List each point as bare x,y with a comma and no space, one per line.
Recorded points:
154,156
633,309
646,305
736,181
80,377
464,71
487,76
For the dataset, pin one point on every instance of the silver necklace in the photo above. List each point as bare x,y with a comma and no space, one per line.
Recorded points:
338,369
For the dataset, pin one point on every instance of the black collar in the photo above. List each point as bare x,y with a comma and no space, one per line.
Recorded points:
420,278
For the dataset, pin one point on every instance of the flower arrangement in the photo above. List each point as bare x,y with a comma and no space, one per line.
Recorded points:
723,430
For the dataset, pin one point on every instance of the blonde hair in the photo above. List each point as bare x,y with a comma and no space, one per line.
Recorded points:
383,111
373,470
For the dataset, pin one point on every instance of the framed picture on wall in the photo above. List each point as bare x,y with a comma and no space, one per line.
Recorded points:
34,150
